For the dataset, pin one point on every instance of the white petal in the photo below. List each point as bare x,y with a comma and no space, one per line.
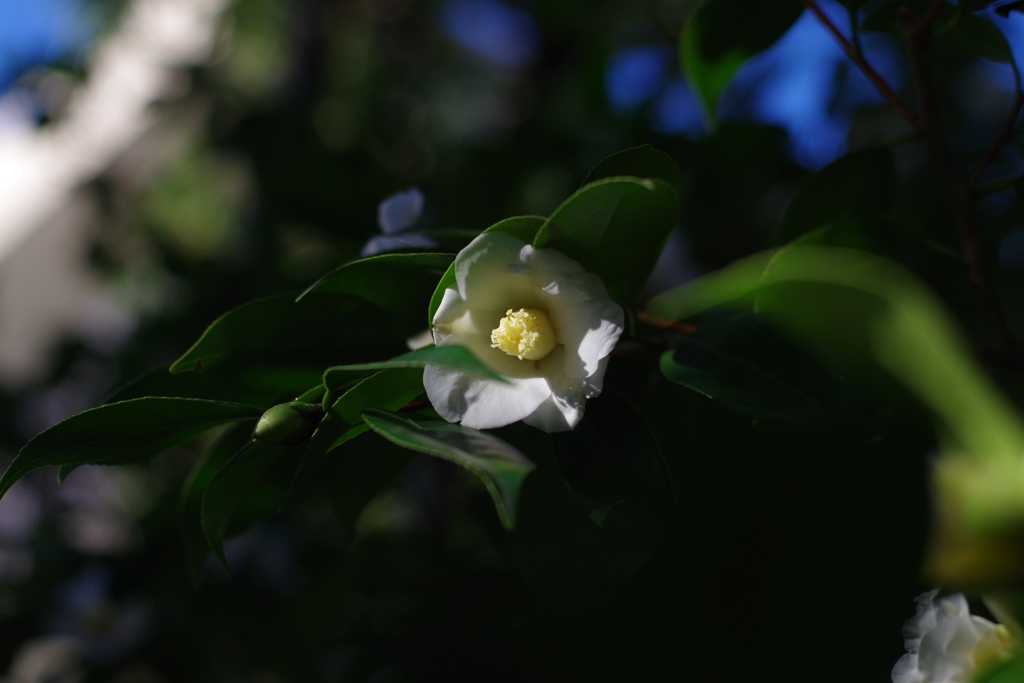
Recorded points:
564,409
906,670
491,275
587,321
482,403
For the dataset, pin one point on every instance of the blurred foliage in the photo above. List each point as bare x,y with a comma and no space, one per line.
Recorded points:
732,504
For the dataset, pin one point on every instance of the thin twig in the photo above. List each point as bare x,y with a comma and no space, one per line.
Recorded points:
955,188
665,324
857,57
1002,138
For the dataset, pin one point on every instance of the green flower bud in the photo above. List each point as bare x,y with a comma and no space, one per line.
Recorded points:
288,424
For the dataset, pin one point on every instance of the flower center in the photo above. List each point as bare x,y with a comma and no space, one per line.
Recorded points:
525,334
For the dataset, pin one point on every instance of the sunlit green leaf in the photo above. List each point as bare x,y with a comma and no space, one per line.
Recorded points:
640,162
452,356
524,228
121,433
722,35
895,324
613,226
498,465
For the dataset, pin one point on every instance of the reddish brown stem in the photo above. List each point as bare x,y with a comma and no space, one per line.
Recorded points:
665,324
857,57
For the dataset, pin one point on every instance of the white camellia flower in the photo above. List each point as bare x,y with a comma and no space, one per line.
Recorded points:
535,317
947,644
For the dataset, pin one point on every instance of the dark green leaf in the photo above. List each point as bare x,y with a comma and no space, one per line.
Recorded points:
975,5
974,36
858,184
722,35
744,365
524,228
121,433
389,389
498,465
640,162
161,382
613,226
877,318
397,283
234,484
615,468
452,356
190,505
285,338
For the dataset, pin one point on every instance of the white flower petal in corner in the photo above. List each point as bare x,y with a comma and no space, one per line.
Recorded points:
947,644
535,317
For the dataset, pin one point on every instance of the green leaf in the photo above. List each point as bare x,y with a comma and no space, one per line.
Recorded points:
974,36
452,356
498,465
722,35
613,226
233,486
745,366
615,468
397,283
277,341
858,184
190,504
524,228
1011,671
640,162
872,313
389,389
161,382
121,433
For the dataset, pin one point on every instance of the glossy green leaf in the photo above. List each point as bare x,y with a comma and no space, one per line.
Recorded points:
397,283
498,465
190,517
640,162
744,365
524,228
870,311
452,356
613,226
278,336
722,35
121,433
858,184
161,382
389,389
233,487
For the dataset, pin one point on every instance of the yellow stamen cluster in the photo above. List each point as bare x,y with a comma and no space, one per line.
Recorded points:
525,334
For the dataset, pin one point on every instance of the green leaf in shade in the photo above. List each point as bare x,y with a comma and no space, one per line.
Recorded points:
190,516
744,365
858,184
389,389
397,283
498,465
524,228
871,313
640,162
613,226
975,5
452,356
615,468
121,433
974,36
1011,671
278,341
161,382
234,485
722,35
